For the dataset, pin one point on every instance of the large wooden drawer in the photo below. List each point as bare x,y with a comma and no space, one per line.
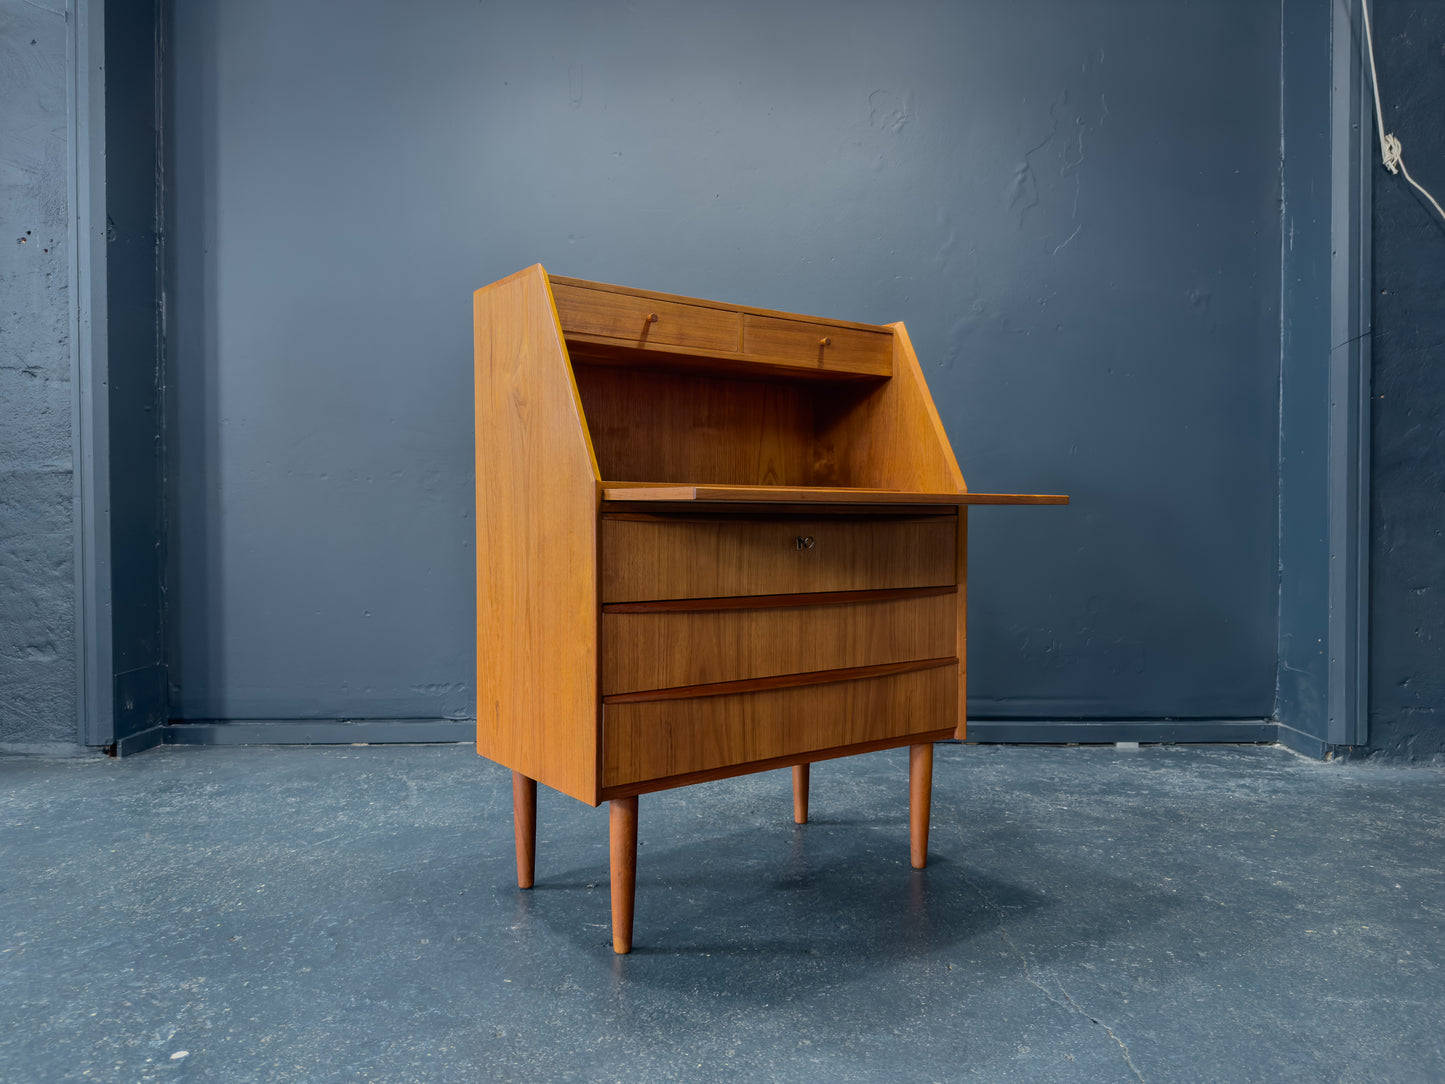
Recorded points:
662,738
825,346
653,557
646,648
641,321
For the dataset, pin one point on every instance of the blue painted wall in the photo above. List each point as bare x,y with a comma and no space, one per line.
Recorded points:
1074,207
38,685
1407,688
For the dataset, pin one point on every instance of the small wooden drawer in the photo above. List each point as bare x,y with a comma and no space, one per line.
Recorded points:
662,738
668,648
653,557
643,321
825,346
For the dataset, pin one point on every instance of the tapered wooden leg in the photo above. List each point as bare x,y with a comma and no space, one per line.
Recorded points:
920,797
623,832
524,822
800,793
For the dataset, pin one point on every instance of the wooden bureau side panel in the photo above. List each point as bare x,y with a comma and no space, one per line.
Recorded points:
669,649
961,624
657,739
691,557
536,544
890,436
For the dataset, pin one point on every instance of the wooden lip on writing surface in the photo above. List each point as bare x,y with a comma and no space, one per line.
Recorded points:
729,511
761,602
646,786
661,492
780,681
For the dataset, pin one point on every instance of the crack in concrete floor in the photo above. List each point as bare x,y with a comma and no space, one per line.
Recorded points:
1068,1004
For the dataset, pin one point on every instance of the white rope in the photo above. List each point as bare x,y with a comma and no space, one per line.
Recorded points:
1389,145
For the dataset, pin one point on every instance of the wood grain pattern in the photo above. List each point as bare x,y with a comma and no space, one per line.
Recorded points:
614,325
891,436
887,436
639,321
524,827
664,427
966,499
779,681
920,800
757,602
598,351
622,852
827,347
766,510
665,649
801,773
818,494
728,771
961,625
661,739
536,544
632,291
711,558
784,579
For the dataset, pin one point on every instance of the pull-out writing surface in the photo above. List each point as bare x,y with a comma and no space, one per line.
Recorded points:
835,495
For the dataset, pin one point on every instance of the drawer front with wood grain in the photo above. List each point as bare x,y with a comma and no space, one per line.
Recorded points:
825,346
640,321
645,557
663,738
664,649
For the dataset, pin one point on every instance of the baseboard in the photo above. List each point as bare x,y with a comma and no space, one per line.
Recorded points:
1304,744
65,749
980,731
138,743
1108,731
318,731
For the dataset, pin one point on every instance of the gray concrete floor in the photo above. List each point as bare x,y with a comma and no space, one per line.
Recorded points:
350,914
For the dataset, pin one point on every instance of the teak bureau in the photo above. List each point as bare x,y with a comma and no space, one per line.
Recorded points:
711,540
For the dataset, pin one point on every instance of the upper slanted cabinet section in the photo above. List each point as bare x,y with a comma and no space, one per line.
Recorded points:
702,401
611,322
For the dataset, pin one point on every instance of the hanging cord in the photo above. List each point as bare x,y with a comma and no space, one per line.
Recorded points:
1389,145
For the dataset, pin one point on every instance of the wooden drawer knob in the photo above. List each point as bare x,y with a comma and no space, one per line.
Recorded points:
651,318
825,341
805,542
